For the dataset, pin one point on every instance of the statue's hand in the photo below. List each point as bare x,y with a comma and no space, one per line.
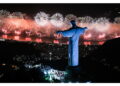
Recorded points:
58,32
85,27
58,35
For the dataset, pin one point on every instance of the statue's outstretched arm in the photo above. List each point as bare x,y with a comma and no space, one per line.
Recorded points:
66,33
82,30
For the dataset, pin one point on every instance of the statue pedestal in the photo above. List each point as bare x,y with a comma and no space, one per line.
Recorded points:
75,75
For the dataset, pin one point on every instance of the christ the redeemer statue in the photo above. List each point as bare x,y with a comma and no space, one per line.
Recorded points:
73,50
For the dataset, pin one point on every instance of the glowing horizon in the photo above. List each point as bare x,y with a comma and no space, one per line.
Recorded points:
44,25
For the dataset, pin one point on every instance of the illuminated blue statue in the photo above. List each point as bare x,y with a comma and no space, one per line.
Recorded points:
73,50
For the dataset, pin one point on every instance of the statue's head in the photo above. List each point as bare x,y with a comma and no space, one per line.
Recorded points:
73,23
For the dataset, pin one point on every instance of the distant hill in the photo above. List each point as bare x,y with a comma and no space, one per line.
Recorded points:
104,63
110,50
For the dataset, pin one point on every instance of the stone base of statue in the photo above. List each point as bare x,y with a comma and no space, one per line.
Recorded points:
75,74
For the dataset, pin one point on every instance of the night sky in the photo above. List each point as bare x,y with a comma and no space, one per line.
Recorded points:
94,10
